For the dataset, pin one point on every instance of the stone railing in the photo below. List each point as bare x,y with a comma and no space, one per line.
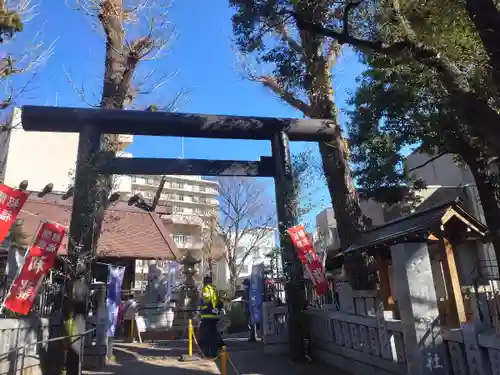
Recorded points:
360,344
274,326
473,353
354,334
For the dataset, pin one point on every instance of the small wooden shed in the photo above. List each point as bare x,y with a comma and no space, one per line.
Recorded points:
443,227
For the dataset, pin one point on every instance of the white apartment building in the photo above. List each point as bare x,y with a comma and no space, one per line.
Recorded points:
190,201
257,244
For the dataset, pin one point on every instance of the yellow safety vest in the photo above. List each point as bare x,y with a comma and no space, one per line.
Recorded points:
208,308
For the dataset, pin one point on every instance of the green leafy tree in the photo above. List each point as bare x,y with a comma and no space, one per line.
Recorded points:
399,106
298,65
453,39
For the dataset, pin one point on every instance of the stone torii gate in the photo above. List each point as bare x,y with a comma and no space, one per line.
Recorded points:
91,124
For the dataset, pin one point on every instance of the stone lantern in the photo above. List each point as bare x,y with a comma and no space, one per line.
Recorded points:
189,295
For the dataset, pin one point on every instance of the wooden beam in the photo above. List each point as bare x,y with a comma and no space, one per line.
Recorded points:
452,282
72,120
385,282
432,237
188,167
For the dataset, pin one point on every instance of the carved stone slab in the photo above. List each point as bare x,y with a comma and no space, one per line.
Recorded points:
457,358
417,300
373,340
494,356
346,334
383,335
337,333
475,357
360,306
397,346
364,340
355,336
346,299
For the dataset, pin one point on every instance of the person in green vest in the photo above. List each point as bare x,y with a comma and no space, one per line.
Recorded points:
210,339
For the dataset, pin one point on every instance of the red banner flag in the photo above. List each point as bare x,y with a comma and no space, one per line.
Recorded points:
309,258
11,201
39,260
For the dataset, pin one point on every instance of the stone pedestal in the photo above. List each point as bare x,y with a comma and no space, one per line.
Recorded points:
416,297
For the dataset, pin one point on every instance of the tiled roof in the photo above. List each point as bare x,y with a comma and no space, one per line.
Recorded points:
419,222
127,232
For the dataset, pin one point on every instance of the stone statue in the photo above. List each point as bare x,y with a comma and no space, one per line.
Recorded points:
156,289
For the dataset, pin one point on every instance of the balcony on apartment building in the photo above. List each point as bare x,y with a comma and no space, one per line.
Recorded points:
189,199
186,219
195,188
153,183
186,241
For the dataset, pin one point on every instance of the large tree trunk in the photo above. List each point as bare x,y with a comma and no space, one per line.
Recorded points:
335,160
119,68
486,18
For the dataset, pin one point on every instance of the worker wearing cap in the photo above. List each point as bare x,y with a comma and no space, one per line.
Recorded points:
210,339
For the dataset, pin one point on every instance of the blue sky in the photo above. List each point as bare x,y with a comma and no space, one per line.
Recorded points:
207,68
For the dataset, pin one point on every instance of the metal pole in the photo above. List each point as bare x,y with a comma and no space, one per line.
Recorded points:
223,361
158,193
190,338
286,209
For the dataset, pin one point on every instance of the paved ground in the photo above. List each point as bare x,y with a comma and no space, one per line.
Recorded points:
248,358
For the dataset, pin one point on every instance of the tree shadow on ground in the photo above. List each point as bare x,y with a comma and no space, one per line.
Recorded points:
248,359
172,367
259,362
131,359
130,351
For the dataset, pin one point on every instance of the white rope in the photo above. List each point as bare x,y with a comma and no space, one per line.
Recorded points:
218,357
232,365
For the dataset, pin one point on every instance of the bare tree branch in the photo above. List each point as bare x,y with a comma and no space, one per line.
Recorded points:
435,157
245,222
287,96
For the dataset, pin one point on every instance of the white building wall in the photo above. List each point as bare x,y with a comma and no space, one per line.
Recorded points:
38,157
326,235
265,246
444,172
44,157
191,199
